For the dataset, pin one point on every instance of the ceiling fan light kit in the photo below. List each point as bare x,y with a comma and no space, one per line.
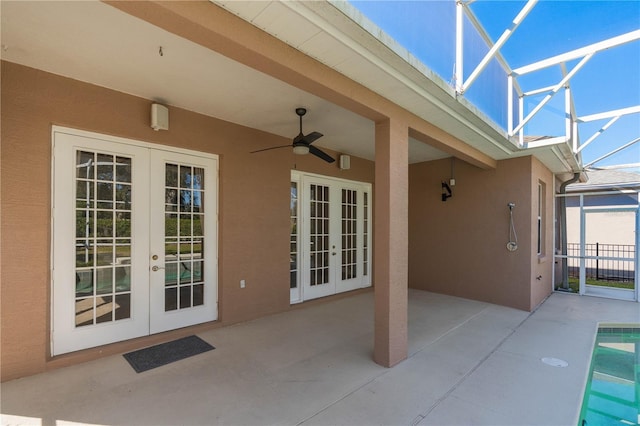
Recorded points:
300,149
302,143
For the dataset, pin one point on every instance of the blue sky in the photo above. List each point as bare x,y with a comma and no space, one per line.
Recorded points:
610,80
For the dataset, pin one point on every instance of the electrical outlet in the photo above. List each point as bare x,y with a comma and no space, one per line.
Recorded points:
242,283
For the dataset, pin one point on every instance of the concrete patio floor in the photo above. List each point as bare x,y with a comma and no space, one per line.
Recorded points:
469,363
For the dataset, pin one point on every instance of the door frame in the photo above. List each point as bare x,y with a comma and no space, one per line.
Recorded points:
57,345
303,180
584,209
609,292
159,319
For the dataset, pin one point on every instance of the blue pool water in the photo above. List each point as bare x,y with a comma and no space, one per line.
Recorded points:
612,394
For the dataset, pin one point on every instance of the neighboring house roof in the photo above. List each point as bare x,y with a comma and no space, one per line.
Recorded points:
607,179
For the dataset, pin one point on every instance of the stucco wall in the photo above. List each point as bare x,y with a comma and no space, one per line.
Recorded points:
542,265
458,247
253,201
603,227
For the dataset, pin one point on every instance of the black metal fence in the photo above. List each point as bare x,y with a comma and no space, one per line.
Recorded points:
613,262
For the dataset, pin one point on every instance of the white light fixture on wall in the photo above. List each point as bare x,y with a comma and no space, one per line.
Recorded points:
159,117
345,162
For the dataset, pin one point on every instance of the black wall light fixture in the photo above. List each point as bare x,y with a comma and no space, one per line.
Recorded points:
446,191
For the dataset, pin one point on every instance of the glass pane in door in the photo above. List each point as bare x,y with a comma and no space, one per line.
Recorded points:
349,233
365,235
184,237
103,207
319,235
293,249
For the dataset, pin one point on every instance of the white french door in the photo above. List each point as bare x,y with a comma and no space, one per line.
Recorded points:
183,248
331,251
134,239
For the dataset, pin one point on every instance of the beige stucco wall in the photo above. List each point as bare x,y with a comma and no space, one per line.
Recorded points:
253,203
602,227
458,247
606,228
541,265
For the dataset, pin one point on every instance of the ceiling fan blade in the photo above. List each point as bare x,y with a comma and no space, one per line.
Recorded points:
273,147
321,154
312,137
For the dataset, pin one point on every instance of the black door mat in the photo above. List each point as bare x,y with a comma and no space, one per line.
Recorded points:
166,353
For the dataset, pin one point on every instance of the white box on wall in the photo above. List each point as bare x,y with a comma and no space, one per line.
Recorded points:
345,162
159,117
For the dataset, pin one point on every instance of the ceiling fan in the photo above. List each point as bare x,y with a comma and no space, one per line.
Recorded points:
302,143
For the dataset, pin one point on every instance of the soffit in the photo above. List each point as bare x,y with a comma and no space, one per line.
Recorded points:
343,39
93,42
96,43
337,35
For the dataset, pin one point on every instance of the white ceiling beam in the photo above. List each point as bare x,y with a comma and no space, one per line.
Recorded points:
538,91
546,142
483,33
578,53
572,107
609,114
557,87
498,44
598,133
510,79
570,110
617,166
615,151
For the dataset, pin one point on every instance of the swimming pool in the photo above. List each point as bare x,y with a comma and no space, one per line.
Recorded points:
612,394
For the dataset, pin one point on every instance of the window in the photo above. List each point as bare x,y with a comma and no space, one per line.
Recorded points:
540,218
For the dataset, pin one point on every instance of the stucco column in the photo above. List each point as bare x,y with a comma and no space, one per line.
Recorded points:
391,242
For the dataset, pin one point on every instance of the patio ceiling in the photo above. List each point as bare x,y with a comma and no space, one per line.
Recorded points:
97,43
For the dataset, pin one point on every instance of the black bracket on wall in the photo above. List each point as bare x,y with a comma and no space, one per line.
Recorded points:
446,191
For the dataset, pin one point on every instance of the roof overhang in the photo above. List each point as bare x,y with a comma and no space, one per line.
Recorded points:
339,36
333,34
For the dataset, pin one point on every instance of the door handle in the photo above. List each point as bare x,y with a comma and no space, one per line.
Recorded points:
156,268
333,253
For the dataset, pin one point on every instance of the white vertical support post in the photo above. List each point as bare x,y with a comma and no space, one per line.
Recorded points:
459,46
598,133
567,111
510,104
520,118
583,237
574,135
637,260
554,233
554,90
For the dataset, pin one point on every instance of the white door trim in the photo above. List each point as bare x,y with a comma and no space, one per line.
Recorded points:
161,320
127,141
65,336
336,185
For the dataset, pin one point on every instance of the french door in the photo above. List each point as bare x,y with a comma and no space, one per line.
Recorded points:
331,236
134,239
